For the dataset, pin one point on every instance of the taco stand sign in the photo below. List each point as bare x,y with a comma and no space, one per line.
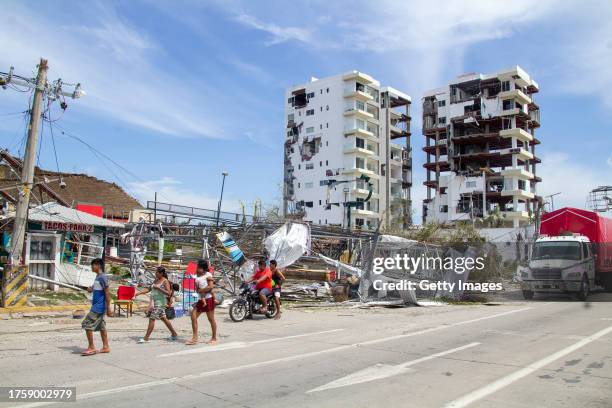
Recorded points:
66,227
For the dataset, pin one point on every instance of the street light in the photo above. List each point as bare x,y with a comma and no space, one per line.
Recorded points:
224,174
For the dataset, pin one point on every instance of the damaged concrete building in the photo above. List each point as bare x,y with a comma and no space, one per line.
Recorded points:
347,154
480,145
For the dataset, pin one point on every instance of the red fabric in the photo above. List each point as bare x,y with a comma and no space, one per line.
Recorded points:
596,228
191,268
126,292
93,209
189,284
205,305
266,283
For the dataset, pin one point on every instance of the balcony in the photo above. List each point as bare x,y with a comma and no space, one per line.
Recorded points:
520,153
358,171
365,213
358,76
516,215
518,173
517,133
518,95
352,149
520,194
359,95
510,112
359,113
358,132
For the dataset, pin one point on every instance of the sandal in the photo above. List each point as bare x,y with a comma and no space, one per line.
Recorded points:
88,352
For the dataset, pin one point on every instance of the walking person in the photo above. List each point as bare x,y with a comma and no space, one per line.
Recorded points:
205,284
100,305
160,290
277,280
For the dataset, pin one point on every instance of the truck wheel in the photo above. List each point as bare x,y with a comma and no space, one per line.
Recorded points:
583,294
528,294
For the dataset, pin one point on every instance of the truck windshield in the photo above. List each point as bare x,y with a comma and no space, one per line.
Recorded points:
557,250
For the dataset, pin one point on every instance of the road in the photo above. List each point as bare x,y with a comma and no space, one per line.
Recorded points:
546,353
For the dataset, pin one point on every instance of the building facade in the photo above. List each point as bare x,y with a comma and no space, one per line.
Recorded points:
347,154
480,145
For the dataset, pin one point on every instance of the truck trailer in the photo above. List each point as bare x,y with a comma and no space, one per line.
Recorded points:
572,254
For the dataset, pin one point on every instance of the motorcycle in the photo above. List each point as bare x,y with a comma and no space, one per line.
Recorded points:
247,303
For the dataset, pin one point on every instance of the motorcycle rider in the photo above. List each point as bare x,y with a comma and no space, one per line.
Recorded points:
263,283
278,278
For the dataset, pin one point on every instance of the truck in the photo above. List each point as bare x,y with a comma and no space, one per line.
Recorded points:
572,254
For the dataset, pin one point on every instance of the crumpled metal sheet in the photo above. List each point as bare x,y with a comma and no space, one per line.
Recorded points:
288,243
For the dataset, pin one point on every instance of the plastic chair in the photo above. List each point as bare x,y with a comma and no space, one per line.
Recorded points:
125,300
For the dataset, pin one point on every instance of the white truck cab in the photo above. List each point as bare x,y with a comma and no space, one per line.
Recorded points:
560,264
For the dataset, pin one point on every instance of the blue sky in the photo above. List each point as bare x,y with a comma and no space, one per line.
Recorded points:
179,91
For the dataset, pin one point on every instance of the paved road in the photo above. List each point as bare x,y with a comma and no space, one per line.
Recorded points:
523,354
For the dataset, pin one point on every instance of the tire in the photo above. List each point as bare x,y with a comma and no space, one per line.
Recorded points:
528,294
271,308
583,294
238,311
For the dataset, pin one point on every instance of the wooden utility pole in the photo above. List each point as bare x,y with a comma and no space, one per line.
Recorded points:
27,172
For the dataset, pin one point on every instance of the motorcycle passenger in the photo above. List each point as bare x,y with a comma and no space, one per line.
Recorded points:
278,278
263,283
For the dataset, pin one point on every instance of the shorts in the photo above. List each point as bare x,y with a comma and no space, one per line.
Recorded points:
205,305
157,313
94,321
265,291
277,291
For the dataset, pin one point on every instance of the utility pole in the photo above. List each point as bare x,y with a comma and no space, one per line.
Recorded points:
27,173
14,282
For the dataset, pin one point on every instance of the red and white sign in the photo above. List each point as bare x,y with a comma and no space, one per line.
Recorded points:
66,226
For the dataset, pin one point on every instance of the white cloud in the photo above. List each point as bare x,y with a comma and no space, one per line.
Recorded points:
278,34
126,75
173,191
560,173
588,58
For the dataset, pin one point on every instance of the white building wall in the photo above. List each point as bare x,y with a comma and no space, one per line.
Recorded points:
335,115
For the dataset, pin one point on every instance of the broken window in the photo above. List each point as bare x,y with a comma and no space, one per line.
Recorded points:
299,99
442,120
506,123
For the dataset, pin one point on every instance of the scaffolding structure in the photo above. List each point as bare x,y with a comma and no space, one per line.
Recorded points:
600,199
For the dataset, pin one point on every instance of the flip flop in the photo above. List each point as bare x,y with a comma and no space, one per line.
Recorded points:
88,353
103,351
211,342
191,343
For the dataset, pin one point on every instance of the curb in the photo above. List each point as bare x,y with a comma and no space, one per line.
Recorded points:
29,309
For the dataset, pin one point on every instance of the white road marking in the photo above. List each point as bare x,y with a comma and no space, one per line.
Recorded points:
503,382
240,344
276,361
380,371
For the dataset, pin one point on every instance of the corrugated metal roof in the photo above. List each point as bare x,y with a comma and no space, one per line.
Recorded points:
53,212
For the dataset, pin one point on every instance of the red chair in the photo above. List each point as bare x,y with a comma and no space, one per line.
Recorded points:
125,300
